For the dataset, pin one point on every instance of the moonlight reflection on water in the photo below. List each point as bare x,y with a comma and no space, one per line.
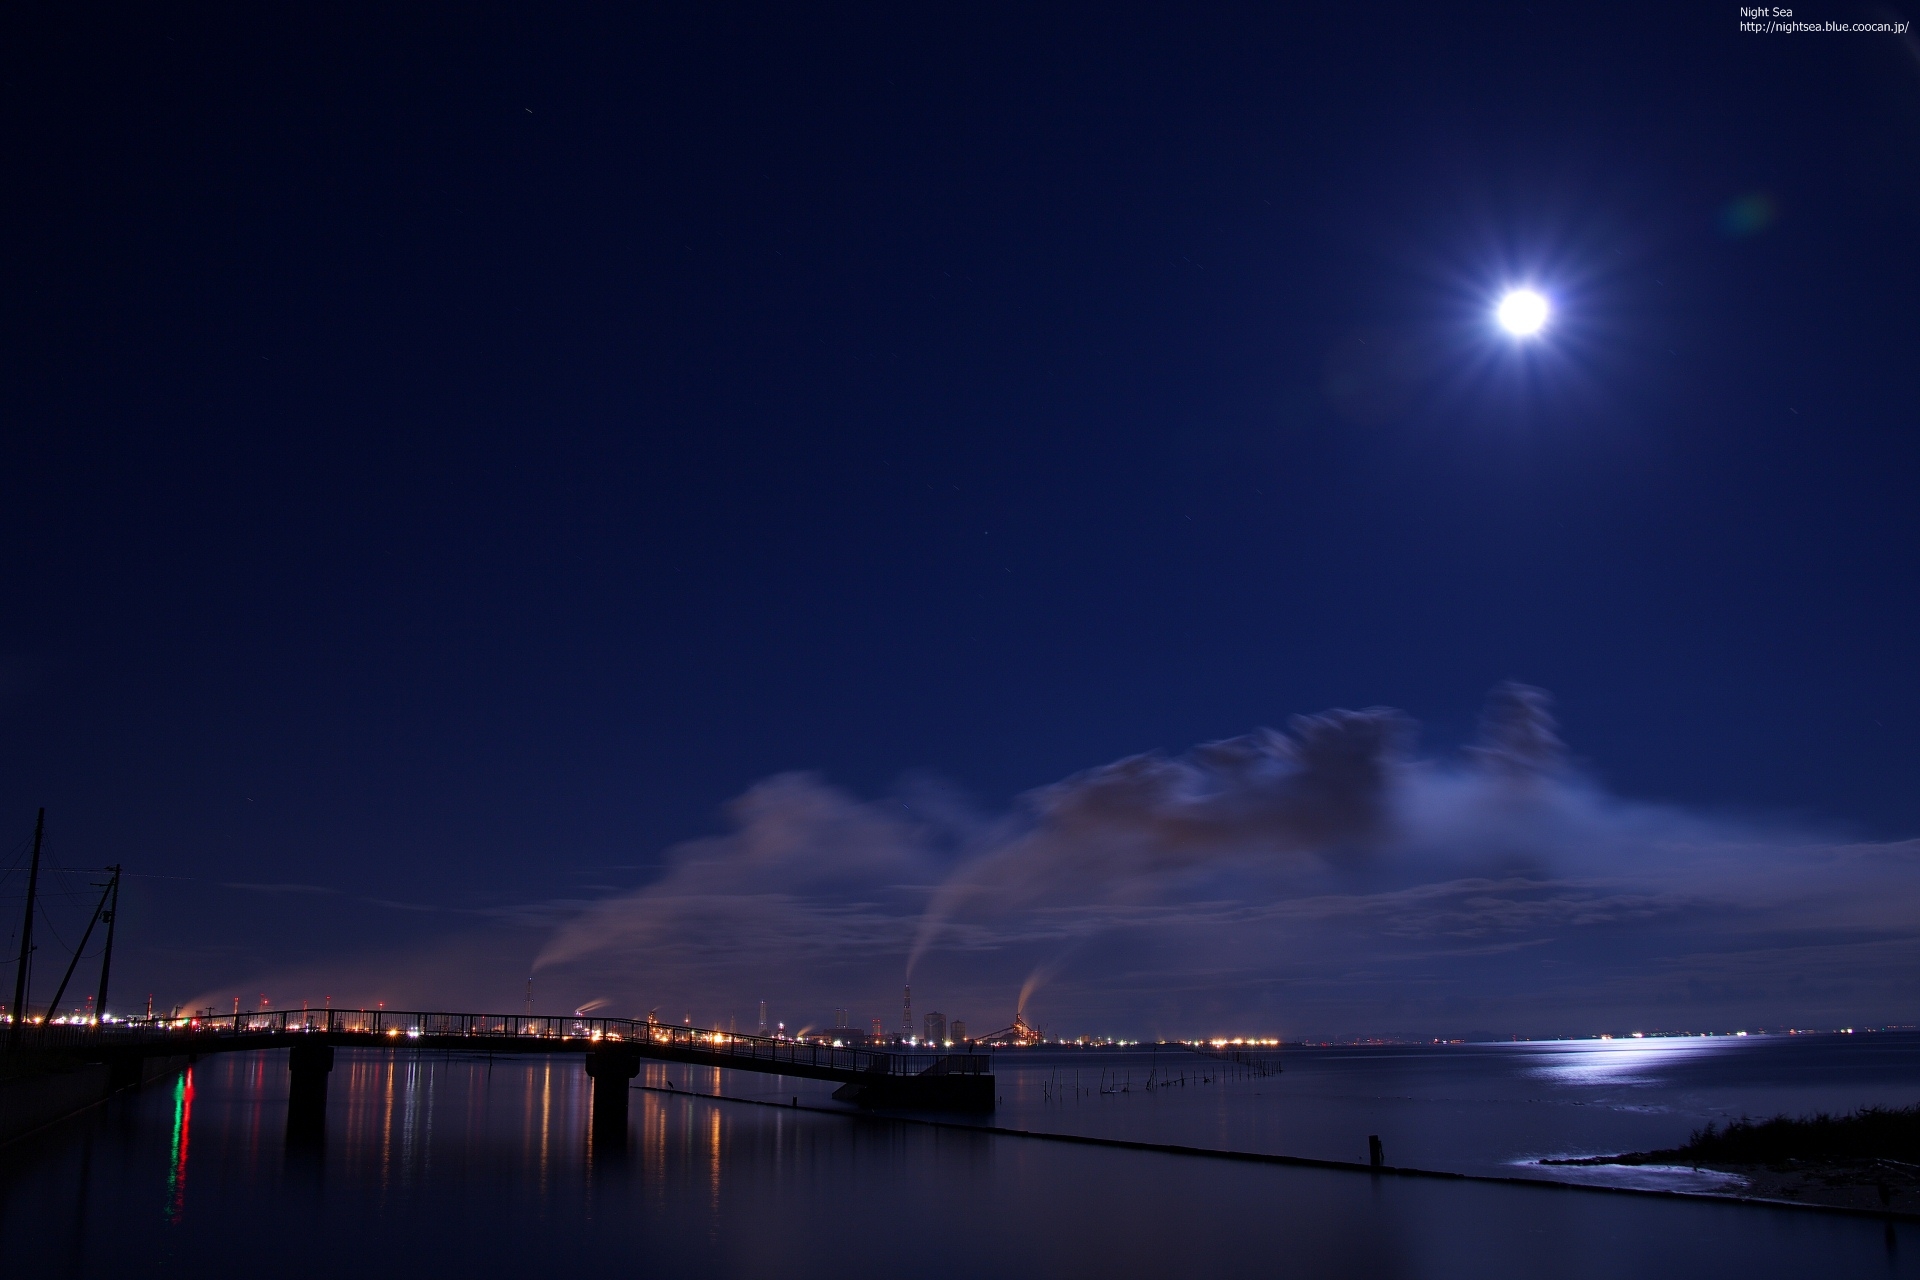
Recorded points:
434,1163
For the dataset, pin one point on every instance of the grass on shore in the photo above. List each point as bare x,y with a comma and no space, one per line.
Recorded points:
1872,1133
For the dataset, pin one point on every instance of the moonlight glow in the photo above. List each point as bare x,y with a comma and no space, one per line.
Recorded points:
1522,313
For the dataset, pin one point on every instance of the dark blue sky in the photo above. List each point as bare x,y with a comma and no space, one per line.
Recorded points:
450,454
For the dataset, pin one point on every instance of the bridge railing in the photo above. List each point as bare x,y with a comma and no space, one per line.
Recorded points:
44,1037
534,1030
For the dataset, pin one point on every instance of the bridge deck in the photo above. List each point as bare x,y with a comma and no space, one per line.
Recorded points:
497,1033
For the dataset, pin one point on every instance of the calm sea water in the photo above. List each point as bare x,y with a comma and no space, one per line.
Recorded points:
436,1162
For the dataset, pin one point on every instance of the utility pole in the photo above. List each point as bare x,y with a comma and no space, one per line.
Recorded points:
106,889
26,930
106,961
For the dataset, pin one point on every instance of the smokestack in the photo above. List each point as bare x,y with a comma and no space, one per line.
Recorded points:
906,1014
763,1017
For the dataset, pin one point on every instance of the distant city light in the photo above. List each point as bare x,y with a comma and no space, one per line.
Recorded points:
1522,312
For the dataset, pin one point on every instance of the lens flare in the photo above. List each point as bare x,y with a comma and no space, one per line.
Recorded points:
1522,313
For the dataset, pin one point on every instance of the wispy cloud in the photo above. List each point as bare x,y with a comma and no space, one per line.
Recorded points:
1320,879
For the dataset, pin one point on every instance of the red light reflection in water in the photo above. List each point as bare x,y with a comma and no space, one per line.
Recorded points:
177,1160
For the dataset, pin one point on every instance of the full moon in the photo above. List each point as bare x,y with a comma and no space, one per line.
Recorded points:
1522,313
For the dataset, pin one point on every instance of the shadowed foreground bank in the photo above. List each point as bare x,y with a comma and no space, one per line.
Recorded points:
436,1163
1869,1159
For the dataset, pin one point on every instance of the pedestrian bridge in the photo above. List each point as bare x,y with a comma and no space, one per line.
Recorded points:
613,1049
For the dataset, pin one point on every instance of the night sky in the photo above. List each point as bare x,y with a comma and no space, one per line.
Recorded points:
685,495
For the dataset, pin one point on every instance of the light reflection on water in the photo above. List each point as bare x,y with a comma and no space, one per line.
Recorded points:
1482,1108
177,1153
1621,1062
1647,1177
435,1163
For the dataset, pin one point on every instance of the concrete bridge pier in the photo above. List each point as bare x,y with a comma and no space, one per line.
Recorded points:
307,1098
610,1069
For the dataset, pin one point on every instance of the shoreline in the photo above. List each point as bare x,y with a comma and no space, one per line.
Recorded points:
1886,1187
1309,1162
